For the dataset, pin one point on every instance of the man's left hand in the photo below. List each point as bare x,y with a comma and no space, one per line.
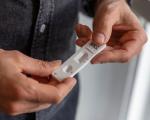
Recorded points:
117,26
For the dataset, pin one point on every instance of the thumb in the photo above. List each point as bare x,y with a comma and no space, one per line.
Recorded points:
38,67
102,28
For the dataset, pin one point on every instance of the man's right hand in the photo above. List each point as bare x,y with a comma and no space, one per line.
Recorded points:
20,92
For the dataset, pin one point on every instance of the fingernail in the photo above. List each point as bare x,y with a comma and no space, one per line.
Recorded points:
93,62
99,38
74,81
97,62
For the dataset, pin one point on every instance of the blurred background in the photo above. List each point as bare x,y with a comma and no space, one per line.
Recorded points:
118,91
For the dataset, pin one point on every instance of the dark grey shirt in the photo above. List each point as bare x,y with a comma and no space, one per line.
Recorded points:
42,29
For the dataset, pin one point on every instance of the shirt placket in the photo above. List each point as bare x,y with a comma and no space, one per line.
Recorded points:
42,28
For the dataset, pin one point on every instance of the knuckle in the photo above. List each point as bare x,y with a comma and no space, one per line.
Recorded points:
12,109
18,92
125,58
44,65
32,93
17,55
110,7
1,51
57,98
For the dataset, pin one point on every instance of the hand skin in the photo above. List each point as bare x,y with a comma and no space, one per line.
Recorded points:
26,85
117,26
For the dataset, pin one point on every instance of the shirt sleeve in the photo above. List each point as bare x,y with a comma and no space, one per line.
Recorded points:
88,6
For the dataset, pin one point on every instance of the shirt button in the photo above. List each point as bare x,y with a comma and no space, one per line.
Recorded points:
42,29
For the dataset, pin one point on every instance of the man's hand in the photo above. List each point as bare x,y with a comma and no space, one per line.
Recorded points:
26,85
116,25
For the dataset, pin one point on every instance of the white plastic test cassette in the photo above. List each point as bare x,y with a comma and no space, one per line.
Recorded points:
77,61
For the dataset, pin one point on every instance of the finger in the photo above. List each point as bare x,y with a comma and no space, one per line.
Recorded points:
118,55
138,35
130,45
35,96
38,67
109,56
133,42
40,107
83,31
102,27
82,41
47,93
65,87
43,93
1,50
32,107
41,79
33,91
21,107
54,82
29,89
